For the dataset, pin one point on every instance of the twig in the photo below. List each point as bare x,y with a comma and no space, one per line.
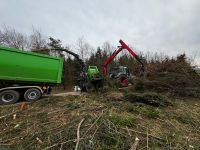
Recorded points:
113,125
147,139
116,131
172,124
158,138
93,124
128,131
135,144
94,133
72,140
169,122
78,134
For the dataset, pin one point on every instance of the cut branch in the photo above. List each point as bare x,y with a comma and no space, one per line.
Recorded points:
78,134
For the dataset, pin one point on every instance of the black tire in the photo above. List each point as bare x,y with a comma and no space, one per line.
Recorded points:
90,87
32,94
9,97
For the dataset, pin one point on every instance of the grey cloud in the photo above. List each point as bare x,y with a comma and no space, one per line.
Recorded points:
171,26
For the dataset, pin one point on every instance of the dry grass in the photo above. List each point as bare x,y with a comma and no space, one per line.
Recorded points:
51,123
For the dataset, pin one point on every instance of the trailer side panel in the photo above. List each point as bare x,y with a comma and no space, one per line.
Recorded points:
17,65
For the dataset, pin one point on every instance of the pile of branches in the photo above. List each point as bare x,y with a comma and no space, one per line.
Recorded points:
175,76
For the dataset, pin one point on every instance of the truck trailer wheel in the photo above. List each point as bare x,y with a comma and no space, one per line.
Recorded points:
9,97
32,94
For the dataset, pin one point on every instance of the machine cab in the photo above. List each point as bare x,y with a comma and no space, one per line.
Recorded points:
116,72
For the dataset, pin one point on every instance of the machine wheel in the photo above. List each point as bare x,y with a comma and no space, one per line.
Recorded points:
32,94
9,97
89,87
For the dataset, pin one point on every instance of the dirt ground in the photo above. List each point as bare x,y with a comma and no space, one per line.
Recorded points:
66,94
102,120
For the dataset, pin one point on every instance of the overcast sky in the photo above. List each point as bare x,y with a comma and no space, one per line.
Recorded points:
169,26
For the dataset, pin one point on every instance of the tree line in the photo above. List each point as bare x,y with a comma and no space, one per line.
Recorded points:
38,43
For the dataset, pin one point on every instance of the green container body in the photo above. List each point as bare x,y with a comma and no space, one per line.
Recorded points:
18,65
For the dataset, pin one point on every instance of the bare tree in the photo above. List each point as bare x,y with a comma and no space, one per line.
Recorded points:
11,38
194,57
84,48
37,40
108,47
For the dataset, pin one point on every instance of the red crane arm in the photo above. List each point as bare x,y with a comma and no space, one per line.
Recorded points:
123,46
132,52
114,54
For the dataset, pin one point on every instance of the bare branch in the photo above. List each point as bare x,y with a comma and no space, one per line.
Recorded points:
11,38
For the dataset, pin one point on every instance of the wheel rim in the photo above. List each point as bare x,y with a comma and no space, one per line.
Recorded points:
7,97
32,95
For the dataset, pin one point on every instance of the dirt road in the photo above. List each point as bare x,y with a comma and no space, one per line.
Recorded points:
67,93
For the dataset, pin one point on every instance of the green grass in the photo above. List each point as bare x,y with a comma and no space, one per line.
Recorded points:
108,124
122,120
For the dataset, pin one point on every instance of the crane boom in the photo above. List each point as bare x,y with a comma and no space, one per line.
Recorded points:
123,46
73,54
114,54
76,56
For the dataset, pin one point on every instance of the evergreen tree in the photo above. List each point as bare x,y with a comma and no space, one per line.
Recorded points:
55,46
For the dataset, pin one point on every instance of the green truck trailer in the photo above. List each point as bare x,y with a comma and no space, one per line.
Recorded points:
29,75
26,74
